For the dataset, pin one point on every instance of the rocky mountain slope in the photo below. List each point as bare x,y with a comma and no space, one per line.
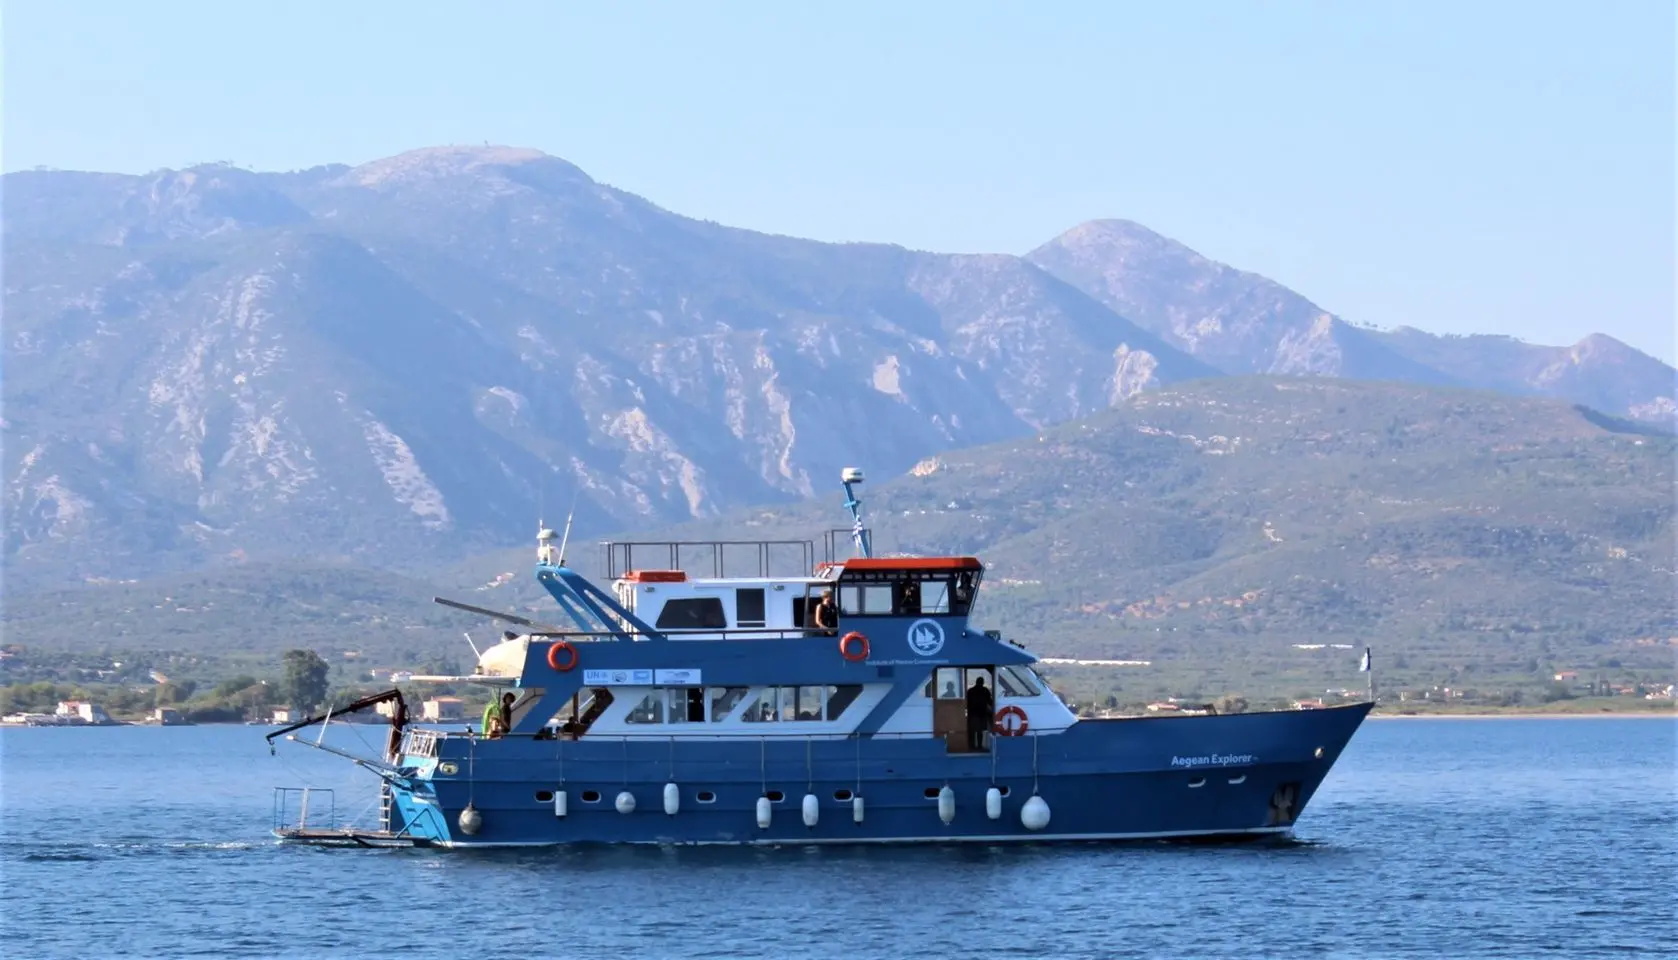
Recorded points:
407,360
1244,323
403,363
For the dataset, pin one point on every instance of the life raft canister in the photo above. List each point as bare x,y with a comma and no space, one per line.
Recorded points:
853,646
562,656
1001,726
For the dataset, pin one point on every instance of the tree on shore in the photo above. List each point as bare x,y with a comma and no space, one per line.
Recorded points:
304,680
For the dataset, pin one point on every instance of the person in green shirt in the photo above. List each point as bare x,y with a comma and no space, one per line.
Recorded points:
498,717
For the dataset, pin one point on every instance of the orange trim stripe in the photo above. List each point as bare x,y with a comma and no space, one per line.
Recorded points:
913,563
656,576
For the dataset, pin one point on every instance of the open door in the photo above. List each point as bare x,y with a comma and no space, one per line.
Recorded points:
950,686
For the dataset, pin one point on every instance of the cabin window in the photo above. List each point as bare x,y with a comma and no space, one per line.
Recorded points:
947,682
850,601
935,598
1016,682
748,607
840,697
649,710
762,708
687,704
787,703
724,700
809,703
692,613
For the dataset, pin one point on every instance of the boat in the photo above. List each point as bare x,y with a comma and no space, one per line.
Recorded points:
689,703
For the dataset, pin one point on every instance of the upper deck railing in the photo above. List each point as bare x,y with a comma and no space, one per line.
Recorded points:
724,558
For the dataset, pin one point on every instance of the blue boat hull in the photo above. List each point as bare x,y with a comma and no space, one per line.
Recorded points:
1230,776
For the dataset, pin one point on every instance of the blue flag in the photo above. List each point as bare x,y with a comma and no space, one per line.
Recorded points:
1364,667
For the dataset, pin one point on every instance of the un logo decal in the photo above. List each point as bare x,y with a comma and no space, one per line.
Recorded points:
926,637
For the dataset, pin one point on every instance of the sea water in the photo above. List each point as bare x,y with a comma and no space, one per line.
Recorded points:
1431,837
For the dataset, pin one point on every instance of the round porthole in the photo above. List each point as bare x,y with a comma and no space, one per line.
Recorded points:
591,796
544,796
775,796
841,795
705,796
447,768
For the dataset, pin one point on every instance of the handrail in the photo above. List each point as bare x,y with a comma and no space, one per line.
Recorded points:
718,550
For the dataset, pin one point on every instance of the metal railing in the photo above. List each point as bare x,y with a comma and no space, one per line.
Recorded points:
796,557
305,798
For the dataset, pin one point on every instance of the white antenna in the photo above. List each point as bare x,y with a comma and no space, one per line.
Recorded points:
474,646
566,537
323,725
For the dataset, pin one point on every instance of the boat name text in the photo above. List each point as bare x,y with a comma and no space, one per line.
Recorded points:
1215,760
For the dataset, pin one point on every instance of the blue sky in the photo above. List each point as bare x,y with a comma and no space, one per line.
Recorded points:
1461,167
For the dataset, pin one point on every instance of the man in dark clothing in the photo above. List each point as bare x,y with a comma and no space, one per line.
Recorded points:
980,707
826,614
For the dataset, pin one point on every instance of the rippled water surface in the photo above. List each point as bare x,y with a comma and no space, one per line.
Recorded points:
1437,838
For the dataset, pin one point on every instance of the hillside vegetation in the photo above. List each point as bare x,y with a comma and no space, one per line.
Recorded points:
1473,539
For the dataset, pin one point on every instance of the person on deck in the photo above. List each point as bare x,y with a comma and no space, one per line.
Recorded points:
498,717
980,708
826,614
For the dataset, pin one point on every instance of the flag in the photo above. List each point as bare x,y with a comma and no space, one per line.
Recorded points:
1364,667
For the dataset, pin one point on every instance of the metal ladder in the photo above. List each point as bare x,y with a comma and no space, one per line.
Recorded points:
385,801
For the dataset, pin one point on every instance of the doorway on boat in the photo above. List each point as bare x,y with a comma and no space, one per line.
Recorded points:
963,701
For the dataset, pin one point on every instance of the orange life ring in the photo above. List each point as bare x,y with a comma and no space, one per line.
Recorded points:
845,650
1001,728
558,647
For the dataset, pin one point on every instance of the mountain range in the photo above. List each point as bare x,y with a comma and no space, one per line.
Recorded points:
404,363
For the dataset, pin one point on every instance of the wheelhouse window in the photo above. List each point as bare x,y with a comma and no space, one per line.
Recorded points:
1017,682
748,607
907,593
692,613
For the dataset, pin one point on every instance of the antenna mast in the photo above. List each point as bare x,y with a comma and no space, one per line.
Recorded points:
859,534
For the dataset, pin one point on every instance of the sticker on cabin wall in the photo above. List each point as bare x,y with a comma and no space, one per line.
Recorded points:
688,677
618,678
926,637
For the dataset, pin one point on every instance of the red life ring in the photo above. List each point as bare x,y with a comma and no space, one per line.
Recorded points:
558,647
845,649
1001,728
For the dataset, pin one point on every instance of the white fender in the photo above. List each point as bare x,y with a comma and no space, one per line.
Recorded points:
1034,815
993,803
946,804
471,821
672,799
626,802
559,803
812,810
856,809
764,812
